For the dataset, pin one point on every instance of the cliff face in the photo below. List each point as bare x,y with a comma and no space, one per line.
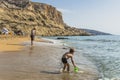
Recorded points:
24,15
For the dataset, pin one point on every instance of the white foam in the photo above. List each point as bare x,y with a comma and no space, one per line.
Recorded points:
109,79
50,42
57,42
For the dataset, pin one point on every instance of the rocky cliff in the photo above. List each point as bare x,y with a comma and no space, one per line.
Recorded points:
24,15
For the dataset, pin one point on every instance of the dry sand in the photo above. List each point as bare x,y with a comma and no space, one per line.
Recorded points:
12,44
41,62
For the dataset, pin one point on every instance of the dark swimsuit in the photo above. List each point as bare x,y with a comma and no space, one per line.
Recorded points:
32,37
64,60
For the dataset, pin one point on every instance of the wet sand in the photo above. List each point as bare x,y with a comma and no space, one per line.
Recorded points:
41,62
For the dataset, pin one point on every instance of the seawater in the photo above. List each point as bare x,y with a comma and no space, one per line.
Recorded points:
103,51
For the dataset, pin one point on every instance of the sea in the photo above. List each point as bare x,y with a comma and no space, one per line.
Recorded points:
102,50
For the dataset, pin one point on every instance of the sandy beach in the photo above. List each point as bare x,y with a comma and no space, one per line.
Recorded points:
20,61
12,44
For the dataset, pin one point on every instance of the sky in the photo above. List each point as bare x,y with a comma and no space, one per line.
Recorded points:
101,15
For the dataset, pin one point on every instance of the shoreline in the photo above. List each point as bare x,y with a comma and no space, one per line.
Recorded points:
42,61
17,43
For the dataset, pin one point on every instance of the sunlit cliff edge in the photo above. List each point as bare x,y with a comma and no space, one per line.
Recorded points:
24,15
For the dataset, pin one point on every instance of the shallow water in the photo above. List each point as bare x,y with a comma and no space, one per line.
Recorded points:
38,63
103,51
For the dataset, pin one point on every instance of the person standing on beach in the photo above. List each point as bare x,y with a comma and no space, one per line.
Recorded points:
32,35
65,57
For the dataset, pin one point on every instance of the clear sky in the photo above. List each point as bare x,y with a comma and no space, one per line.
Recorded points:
102,15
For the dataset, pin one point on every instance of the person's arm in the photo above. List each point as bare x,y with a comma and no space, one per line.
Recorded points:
73,61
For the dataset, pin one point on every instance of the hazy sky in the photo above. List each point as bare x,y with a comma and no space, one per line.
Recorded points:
102,15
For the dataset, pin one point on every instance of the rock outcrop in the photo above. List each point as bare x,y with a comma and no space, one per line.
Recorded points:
24,15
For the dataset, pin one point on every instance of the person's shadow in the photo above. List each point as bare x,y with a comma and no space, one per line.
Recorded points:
50,72
63,76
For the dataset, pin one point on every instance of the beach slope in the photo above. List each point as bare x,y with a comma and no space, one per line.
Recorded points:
40,62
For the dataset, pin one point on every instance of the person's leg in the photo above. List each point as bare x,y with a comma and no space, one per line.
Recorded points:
32,38
31,42
68,67
65,65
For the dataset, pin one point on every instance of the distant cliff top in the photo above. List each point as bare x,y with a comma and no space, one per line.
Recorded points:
24,15
14,3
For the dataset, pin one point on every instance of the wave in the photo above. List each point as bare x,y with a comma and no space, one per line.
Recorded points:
103,51
100,40
95,38
105,78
